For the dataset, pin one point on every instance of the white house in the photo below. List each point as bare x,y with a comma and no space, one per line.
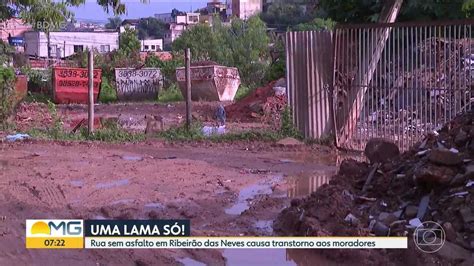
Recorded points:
64,43
154,45
188,19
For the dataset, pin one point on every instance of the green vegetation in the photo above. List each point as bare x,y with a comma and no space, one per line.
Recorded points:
287,128
129,42
316,24
243,44
7,79
113,23
107,92
171,94
242,92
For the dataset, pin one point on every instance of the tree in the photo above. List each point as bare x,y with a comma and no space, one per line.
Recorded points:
129,43
243,44
46,16
13,8
151,28
113,23
283,14
369,10
316,24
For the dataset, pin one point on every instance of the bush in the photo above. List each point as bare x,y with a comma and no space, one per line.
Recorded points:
7,79
242,92
107,92
171,94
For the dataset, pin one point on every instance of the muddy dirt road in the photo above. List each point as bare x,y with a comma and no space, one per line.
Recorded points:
233,189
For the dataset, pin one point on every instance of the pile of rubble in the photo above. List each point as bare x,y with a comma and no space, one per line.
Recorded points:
32,115
264,104
396,194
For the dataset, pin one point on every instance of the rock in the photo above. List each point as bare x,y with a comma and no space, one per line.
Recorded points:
461,138
458,180
387,218
381,229
450,232
289,142
411,211
467,215
380,150
452,251
469,173
351,219
295,202
423,207
433,174
445,157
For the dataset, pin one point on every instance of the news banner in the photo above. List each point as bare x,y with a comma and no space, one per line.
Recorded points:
176,234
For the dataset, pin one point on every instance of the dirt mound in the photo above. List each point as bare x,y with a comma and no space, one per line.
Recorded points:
434,181
32,115
262,104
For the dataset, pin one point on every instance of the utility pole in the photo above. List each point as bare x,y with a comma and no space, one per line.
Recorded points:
91,92
188,87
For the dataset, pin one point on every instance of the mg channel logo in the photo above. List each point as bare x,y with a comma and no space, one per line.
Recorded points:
54,234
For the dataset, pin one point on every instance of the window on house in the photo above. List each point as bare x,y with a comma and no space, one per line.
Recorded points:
105,48
153,47
53,49
147,47
78,48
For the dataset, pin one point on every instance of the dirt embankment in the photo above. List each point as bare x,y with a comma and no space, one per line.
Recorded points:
431,182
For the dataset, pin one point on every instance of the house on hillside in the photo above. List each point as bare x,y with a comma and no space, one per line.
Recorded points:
244,9
151,45
129,23
66,43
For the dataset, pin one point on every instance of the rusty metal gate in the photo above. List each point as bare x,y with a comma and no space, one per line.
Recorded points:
401,80
309,64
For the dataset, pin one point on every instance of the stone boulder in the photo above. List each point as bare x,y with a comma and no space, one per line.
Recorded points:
380,150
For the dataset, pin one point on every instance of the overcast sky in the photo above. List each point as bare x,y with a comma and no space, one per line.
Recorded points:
135,9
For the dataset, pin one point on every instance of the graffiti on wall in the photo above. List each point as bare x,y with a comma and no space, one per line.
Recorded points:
138,83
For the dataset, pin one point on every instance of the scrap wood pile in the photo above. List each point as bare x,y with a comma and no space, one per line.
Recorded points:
394,195
32,115
264,104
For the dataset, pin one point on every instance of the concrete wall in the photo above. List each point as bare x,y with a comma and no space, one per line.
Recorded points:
63,43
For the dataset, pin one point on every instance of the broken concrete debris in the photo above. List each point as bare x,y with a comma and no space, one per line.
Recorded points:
433,181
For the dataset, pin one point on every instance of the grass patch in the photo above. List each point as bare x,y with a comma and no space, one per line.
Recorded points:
242,92
110,132
107,92
171,94
35,97
180,133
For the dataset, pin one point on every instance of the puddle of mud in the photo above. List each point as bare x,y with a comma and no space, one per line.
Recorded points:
285,257
305,184
118,183
191,262
248,193
132,158
77,183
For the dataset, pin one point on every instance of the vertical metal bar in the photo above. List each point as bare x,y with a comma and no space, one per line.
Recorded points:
91,92
416,106
412,84
188,88
446,58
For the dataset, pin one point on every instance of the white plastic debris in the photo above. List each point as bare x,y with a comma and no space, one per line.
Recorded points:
12,138
460,194
209,131
415,222
421,153
453,150
470,183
